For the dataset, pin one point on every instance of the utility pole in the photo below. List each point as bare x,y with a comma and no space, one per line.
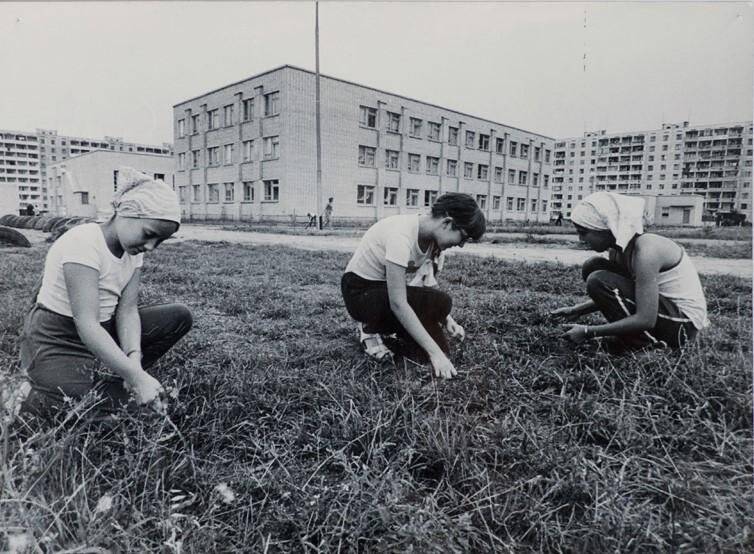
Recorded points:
317,116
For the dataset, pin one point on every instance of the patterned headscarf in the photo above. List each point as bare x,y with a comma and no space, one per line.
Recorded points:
622,215
143,197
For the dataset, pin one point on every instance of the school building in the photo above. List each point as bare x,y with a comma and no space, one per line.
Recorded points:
25,156
85,184
713,162
248,151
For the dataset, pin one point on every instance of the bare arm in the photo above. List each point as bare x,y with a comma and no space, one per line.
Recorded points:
127,320
396,289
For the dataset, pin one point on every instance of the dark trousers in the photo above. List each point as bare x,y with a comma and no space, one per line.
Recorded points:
59,365
368,302
612,289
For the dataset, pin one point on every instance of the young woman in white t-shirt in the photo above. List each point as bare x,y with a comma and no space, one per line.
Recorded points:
374,284
85,331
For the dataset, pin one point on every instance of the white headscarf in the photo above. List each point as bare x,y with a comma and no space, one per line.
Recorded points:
141,196
622,215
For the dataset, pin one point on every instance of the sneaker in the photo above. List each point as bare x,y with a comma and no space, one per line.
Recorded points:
373,345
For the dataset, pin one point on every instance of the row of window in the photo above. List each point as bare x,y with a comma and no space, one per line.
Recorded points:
271,192
478,141
432,167
212,121
365,196
270,151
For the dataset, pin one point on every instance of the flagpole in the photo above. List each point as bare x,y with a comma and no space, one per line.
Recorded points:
317,116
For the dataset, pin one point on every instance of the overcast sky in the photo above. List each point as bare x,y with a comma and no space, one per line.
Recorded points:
558,69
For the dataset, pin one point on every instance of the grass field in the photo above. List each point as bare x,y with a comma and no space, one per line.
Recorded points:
284,438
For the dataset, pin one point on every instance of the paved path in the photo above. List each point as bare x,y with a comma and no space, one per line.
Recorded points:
567,256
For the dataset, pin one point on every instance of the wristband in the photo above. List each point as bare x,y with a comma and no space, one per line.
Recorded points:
132,351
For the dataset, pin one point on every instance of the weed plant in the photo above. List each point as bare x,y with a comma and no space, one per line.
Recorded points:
284,438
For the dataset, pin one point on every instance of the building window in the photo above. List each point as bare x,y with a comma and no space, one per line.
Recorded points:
414,161
271,147
181,128
482,172
429,198
416,127
433,130
248,191
213,155
433,165
452,167
665,212
468,170
484,142
181,161
470,136
394,122
368,116
390,197
159,177
213,193
230,191
272,103
365,195
520,204
194,125
481,200
391,159
511,176
271,190
535,179
115,176
182,195
533,204
524,150
84,198
496,202
228,115
248,109
537,153
453,136
522,177
546,181
366,156
544,205
412,197
499,146
195,158
196,193
509,203
248,150
213,119
228,154
547,156
514,148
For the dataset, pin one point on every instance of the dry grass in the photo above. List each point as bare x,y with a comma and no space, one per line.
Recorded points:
284,438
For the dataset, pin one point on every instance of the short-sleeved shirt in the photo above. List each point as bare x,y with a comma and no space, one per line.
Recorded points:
85,244
392,239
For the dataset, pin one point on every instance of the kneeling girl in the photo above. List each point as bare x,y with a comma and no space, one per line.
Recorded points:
85,331
374,285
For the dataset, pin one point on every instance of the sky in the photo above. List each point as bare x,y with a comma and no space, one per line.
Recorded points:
555,68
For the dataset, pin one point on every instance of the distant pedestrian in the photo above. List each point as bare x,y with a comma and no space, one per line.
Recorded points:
374,283
85,317
648,289
311,220
559,220
328,214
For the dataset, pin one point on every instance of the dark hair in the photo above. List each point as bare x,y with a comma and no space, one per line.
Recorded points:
464,211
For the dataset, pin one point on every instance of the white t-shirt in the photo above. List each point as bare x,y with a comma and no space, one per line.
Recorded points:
85,244
392,239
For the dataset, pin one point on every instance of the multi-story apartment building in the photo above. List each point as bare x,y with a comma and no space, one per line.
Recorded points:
19,170
248,151
24,158
713,161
